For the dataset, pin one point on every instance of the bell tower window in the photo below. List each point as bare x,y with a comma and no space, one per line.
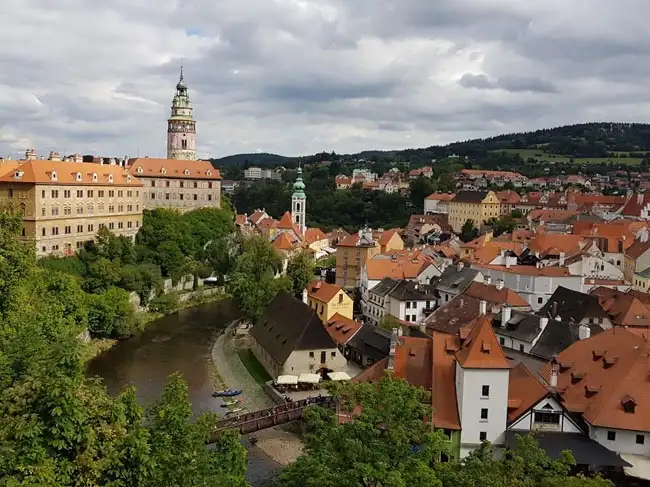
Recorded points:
184,143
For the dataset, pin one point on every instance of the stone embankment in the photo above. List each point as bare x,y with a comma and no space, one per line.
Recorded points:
280,445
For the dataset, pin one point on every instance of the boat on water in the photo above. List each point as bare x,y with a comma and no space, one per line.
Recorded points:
230,402
235,411
227,393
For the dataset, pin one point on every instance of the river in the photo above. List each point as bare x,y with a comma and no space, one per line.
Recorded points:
179,342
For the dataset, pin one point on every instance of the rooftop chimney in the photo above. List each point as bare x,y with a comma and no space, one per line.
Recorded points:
639,199
500,284
555,367
487,280
562,255
543,322
506,314
391,352
584,332
482,307
554,309
459,266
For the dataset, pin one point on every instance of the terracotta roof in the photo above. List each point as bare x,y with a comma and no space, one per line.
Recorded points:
267,223
509,197
481,349
240,220
352,241
552,215
492,250
440,196
402,266
314,235
413,361
491,174
635,205
637,249
173,168
443,389
342,329
287,223
384,237
283,242
524,391
555,242
492,294
603,375
455,314
323,291
623,309
374,372
66,173
257,216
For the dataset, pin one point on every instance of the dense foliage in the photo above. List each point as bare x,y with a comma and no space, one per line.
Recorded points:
59,428
389,444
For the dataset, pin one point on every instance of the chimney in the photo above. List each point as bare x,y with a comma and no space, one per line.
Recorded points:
391,352
507,263
562,255
500,284
639,199
554,309
542,323
555,367
506,314
487,280
482,308
400,332
304,296
459,266
584,332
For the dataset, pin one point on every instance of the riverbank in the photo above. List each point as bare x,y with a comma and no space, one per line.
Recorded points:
278,444
189,299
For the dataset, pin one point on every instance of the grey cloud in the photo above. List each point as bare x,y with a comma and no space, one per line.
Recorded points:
513,84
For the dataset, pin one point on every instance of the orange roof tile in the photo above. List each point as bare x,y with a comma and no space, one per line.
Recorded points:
440,196
493,295
637,249
528,270
257,216
524,391
624,309
557,242
443,389
283,242
404,264
173,168
66,173
323,291
352,241
342,329
314,235
600,376
240,220
384,237
481,349
509,197
413,361
546,215
287,223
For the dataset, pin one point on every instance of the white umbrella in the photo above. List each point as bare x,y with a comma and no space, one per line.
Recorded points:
338,376
287,380
309,378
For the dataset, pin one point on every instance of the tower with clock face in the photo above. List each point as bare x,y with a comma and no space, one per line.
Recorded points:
181,127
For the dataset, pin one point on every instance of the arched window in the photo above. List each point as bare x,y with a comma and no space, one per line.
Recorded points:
297,206
78,176
110,178
139,169
53,175
95,176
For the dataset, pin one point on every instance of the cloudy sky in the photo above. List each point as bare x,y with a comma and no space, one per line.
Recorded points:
300,76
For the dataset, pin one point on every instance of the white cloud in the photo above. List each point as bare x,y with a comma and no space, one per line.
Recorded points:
299,76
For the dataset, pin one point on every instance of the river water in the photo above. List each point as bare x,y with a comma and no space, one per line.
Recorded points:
179,342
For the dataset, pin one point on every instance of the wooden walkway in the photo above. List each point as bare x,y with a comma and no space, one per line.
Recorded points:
267,418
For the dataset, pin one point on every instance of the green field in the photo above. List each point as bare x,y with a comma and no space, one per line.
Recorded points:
539,154
254,367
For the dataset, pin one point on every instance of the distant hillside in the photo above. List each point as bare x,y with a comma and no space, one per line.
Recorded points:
603,142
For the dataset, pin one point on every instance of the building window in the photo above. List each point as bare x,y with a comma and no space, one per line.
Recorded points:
484,413
120,225
521,347
68,229
128,224
111,226
80,228
111,209
153,184
196,197
100,193
408,305
43,232
153,196
209,197
502,341
545,417
66,193
311,354
90,193
182,184
333,354
80,210
120,208
129,194
540,300
482,436
111,193
43,211
67,211
209,185
167,184
80,193
55,193
120,194
196,184
42,193
166,196
611,436
55,230
485,391
640,439
181,196
91,228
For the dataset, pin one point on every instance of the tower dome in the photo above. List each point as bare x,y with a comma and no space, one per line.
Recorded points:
299,202
299,185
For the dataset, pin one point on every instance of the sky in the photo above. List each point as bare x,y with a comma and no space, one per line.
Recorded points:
296,77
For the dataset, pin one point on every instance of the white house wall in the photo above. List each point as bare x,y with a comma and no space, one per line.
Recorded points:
595,267
527,421
300,362
625,441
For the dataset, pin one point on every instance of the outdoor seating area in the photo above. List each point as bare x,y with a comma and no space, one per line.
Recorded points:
306,382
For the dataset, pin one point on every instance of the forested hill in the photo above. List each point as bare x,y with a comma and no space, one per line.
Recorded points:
588,140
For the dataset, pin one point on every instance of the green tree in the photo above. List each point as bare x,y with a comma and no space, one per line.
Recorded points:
300,270
376,449
17,260
389,322
111,314
254,281
468,232
420,188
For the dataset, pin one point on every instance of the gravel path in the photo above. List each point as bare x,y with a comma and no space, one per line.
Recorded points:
282,446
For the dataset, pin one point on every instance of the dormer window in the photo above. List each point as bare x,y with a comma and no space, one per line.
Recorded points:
609,361
139,169
591,390
629,404
576,377
186,172
163,171
110,178
53,177
78,176
18,174
95,177
208,172
128,179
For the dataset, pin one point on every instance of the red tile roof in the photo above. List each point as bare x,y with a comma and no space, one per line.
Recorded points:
524,391
440,196
313,235
66,173
601,376
173,168
493,295
481,349
443,394
323,291
342,329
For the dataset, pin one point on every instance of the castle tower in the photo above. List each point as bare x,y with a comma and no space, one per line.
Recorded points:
299,202
181,127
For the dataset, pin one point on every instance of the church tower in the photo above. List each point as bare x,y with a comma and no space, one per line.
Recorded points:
299,203
181,127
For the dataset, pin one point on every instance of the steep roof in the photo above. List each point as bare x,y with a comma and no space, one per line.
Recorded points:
66,173
323,291
548,242
602,376
443,389
637,249
384,237
288,324
524,391
570,304
453,280
371,341
521,325
509,197
492,294
413,361
383,287
440,196
314,235
623,309
397,265
287,223
481,349
342,329
455,314
412,291
635,205
558,336
283,242
173,168
470,196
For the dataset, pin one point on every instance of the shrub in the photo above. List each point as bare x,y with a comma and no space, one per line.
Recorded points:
165,303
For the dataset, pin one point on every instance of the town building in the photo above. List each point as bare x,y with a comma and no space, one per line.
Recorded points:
257,173
290,339
477,206
65,203
327,300
181,126
437,203
177,184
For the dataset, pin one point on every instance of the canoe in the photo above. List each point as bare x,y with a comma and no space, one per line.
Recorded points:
235,411
227,393
231,402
